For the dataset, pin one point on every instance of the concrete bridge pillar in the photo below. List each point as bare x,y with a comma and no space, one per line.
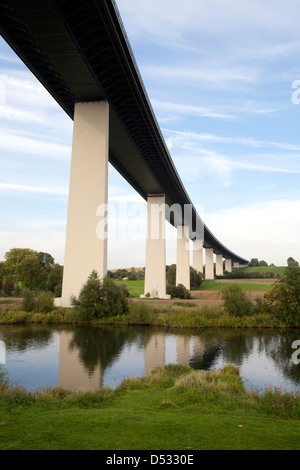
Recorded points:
219,265
86,238
183,257
198,255
228,265
209,263
155,267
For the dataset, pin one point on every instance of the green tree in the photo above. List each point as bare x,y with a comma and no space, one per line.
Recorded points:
254,263
292,263
263,263
171,275
14,257
196,278
29,272
284,297
54,279
45,259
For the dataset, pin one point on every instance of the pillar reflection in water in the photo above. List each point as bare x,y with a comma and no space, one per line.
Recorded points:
73,375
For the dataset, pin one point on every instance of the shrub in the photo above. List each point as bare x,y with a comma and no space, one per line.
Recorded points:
236,302
44,303
179,291
284,298
28,303
99,299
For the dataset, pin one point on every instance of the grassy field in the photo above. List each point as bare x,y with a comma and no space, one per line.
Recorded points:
265,269
136,288
174,408
246,286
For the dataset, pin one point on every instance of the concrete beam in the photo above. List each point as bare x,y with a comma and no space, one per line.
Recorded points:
86,238
183,258
228,265
209,263
198,255
155,267
219,265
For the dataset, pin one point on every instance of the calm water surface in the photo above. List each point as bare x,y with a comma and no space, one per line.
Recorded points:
90,357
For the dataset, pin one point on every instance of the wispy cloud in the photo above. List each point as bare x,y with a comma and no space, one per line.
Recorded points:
33,189
184,136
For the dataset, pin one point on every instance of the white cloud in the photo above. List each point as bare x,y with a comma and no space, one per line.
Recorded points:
267,230
33,189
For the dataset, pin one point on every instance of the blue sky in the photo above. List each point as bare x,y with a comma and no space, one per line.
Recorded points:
219,76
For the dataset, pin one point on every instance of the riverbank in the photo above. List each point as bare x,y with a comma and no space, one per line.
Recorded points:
174,408
178,314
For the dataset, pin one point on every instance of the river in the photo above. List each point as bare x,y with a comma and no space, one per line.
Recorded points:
91,357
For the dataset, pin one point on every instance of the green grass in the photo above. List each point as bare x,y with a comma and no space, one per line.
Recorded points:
175,408
246,286
135,288
265,269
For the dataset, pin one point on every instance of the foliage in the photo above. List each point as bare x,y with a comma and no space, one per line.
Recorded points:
139,313
179,291
28,302
171,275
284,298
255,263
44,302
54,280
195,276
8,286
29,271
14,257
236,301
292,263
98,299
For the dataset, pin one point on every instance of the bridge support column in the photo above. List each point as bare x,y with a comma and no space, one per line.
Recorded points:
86,242
236,265
183,258
155,268
228,265
209,263
219,265
198,255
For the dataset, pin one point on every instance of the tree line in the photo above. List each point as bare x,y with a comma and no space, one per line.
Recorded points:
24,268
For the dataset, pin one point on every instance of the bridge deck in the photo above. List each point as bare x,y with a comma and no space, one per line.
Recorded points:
79,51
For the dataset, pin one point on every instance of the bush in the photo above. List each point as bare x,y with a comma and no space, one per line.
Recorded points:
99,299
28,302
44,303
284,298
236,302
179,291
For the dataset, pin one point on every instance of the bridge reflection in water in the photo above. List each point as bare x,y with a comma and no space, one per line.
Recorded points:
159,348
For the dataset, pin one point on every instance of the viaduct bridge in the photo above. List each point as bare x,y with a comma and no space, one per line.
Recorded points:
79,51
